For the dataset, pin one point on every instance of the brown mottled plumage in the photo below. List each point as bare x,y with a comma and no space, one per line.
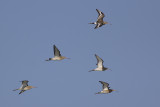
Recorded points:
99,21
24,86
106,88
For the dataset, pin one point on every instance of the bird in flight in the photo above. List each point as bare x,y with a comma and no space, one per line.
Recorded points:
99,21
57,55
99,64
106,88
24,86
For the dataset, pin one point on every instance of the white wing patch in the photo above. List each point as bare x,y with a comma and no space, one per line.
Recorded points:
105,88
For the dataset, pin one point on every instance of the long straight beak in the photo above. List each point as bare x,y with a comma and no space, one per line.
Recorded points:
115,90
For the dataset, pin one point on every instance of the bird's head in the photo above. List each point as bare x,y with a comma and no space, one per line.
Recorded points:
113,90
107,69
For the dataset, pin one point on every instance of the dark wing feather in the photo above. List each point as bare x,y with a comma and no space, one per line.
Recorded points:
25,82
21,91
98,59
99,12
98,25
105,85
100,15
56,51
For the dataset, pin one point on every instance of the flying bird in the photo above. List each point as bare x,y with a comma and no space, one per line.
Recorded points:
99,64
106,88
99,21
24,86
57,55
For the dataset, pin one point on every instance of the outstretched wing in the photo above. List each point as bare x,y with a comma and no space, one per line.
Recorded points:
105,85
98,25
24,84
100,15
22,91
99,61
56,51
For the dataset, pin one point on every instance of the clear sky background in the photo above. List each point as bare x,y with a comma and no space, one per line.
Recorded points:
130,47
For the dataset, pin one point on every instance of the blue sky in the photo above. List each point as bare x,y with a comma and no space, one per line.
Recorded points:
130,47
